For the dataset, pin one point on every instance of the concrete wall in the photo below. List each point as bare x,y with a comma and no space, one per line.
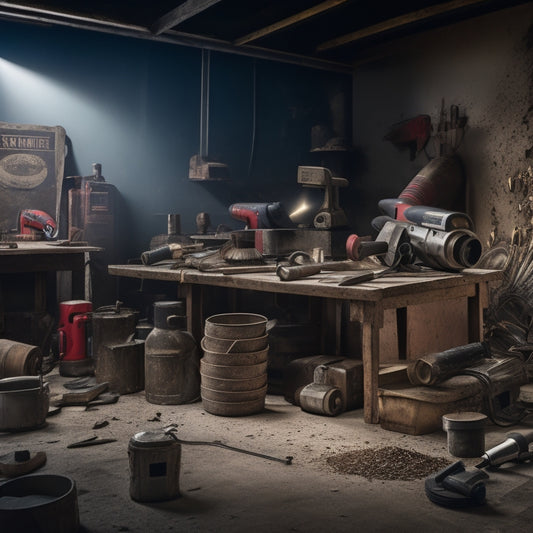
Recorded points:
134,106
483,65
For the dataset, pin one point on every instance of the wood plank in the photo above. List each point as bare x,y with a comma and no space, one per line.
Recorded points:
396,22
409,287
370,352
185,11
289,21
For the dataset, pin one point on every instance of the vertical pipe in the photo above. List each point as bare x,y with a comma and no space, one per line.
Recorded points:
204,103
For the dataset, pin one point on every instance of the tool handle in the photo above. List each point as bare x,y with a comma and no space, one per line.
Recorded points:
358,248
153,256
290,273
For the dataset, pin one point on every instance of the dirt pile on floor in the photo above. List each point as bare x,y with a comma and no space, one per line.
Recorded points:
387,463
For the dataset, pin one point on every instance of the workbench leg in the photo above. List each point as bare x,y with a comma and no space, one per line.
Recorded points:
370,348
193,295
476,306
370,316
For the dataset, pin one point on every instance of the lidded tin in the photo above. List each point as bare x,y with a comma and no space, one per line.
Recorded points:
154,458
172,358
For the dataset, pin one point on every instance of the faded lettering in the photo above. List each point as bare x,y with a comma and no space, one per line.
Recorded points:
25,142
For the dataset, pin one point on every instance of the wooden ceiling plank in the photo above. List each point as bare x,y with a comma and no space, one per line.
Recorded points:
396,22
185,11
289,21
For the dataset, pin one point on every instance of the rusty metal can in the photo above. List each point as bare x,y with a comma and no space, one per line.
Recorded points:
154,459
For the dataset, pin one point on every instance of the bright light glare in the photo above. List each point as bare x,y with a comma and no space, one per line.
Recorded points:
302,208
32,97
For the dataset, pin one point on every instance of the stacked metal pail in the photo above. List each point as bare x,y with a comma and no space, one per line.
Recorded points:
233,368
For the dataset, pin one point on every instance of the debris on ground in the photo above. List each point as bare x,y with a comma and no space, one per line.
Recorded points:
387,463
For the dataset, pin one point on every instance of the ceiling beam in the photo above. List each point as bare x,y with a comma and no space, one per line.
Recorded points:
39,16
290,21
396,22
185,11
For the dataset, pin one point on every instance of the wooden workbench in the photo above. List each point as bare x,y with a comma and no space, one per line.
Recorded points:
40,257
367,301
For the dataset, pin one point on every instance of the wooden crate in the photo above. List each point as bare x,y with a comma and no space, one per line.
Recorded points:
419,410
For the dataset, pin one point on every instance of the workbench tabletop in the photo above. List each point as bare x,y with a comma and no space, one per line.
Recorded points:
323,285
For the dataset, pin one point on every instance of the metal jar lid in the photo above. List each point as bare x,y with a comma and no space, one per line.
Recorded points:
464,421
169,314
151,439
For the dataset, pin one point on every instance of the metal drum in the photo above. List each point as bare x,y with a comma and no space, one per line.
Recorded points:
18,359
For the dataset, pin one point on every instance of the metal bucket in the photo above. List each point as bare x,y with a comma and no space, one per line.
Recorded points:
233,384
46,503
234,408
18,359
233,396
236,326
24,403
233,371
231,359
214,344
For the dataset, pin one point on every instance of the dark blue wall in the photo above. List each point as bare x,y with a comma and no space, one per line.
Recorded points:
134,106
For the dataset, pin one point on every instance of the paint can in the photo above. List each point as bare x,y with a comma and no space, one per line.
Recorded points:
154,458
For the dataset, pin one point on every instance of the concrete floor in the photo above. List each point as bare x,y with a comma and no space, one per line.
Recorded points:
224,491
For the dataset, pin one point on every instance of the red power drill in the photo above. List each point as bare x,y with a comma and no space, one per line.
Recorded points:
261,215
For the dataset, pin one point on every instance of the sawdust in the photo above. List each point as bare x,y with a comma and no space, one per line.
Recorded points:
387,463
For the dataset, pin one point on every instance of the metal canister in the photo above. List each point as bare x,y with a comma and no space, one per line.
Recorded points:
154,458
321,399
172,358
119,358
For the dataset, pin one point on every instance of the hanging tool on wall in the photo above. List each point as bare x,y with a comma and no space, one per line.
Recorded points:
412,133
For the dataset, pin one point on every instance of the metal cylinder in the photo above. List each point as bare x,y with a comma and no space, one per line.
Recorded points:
154,459
172,359
321,399
433,368
18,359
466,433
174,224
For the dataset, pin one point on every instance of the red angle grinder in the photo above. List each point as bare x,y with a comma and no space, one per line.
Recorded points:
33,220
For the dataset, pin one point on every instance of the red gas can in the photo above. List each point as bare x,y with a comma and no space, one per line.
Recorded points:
74,316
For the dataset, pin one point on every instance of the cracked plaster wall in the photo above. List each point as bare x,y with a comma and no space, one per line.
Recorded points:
483,65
